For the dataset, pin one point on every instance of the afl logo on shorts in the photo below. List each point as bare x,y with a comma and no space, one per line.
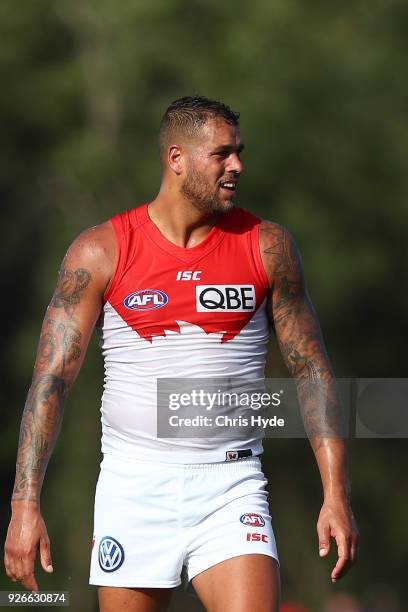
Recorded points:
146,299
252,520
111,554
225,298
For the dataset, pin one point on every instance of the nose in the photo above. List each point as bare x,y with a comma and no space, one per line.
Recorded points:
234,164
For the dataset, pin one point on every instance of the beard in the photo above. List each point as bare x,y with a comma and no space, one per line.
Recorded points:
203,195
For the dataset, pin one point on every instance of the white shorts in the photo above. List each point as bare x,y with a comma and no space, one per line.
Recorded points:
153,519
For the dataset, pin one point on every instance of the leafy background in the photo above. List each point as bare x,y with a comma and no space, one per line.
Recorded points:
323,98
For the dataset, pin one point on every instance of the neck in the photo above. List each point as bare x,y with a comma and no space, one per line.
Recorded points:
179,220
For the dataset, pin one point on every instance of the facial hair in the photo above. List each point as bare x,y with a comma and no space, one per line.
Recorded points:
205,197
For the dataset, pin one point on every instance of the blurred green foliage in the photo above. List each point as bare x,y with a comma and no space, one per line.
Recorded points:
323,98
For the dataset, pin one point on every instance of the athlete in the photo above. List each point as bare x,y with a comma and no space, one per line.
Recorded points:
181,287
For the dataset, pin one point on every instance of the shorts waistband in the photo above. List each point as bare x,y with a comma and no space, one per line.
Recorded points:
250,463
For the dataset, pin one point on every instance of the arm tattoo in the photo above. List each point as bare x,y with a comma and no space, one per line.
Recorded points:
67,294
299,336
60,347
40,425
299,364
58,340
283,258
280,248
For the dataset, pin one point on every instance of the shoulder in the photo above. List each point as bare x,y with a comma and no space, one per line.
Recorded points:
94,243
271,232
93,254
279,252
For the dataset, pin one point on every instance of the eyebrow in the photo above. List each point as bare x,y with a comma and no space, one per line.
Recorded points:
230,148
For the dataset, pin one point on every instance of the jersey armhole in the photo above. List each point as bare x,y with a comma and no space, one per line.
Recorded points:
118,231
257,257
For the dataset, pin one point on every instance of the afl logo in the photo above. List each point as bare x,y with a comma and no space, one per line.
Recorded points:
111,554
252,520
146,299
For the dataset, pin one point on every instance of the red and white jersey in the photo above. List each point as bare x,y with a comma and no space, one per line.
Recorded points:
174,312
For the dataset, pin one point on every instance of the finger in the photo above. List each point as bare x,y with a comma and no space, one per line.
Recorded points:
45,554
9,566
323,532
27,578
30,583
8,562
18,568
342,561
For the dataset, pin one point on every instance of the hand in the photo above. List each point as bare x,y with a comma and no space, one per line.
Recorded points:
26,531
336,520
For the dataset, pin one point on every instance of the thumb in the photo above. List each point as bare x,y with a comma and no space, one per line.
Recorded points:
45,554
323,533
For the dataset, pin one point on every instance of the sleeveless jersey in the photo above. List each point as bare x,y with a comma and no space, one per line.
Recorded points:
175,312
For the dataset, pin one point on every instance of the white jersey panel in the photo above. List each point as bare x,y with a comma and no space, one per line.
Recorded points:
133,365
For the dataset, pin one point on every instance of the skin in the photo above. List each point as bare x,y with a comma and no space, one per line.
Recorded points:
190,201
246,582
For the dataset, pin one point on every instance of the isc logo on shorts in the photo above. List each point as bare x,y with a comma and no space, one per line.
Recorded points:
225,298
256,537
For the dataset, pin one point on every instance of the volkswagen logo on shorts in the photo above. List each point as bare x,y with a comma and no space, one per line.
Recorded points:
252,520
146,299
111,554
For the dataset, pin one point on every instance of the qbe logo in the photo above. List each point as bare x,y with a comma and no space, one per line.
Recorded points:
225,298
252,520
146,299
111,554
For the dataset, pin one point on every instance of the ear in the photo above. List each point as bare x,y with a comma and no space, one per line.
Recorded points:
175,159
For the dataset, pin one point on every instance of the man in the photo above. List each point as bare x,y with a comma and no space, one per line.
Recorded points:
150,275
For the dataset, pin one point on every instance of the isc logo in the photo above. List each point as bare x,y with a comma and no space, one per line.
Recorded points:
225,298
146,299
252,519
186,275
256,537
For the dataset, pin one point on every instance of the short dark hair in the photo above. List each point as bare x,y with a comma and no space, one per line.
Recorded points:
187,115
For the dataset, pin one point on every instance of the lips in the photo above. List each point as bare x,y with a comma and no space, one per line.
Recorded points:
230,185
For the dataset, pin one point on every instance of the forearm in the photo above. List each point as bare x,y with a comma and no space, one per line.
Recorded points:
322,416
332,460
40,425
320,405
304,353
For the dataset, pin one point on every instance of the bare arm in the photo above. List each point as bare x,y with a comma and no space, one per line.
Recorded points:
67,327
302,347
